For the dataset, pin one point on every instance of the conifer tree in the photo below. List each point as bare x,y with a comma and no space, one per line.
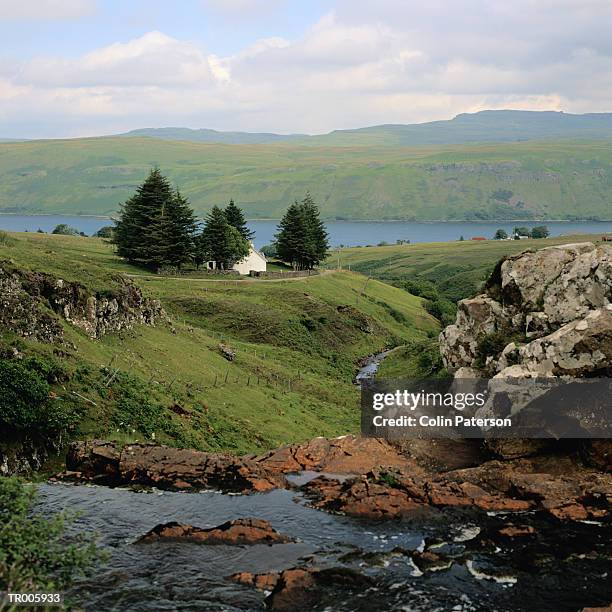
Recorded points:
235,217
138,218
301,239
172,233
291,237
317,237
222,242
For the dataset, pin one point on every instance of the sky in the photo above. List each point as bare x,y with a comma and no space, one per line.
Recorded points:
71,68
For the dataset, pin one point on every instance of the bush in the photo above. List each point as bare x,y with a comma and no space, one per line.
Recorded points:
34,551
65,230
24,397
442,309
490,345
104,232
540,231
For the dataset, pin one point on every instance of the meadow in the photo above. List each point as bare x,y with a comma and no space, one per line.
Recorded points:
297,344
456,269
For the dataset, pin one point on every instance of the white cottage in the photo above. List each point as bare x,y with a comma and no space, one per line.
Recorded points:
253,261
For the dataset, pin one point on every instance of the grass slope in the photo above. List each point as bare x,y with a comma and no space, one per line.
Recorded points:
548,180
457,269
297,343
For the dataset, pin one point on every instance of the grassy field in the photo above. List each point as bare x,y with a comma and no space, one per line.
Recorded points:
456,269
521,180
297,344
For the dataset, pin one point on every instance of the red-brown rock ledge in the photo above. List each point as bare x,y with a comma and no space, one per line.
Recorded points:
167,468
239,532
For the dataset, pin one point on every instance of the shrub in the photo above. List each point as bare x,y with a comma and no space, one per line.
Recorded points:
35,553
24,397
442,309
65,230
490,345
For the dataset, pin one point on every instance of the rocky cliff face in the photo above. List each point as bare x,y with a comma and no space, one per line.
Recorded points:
543,313
30,303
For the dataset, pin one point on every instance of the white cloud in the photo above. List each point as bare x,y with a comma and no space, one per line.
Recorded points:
14,10
392,61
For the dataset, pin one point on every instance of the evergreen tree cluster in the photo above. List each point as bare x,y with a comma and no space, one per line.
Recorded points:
302,239
157,227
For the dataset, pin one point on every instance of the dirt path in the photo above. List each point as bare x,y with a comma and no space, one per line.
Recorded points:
241,280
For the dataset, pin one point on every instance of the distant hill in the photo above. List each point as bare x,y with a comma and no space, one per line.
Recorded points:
549,179
213,136
484,126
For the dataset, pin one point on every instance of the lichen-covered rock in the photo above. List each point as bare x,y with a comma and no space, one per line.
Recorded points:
580,348
476,318
31,302
552,307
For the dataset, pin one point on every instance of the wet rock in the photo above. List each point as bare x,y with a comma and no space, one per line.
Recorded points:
517,531
428,561
169,468
344,455
244,531
301,588
262,582
511,486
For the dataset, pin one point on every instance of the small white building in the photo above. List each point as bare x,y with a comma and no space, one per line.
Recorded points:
253,261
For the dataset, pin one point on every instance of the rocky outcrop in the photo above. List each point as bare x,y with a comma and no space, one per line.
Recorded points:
493,486
31,302
344,455
543,313
301,588
167,468
239,532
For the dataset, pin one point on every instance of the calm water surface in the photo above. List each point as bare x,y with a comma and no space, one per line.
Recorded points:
347,233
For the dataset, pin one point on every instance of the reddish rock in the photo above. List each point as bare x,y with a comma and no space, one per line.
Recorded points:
344,455
169,468
262,582
300,588
245,531
517,531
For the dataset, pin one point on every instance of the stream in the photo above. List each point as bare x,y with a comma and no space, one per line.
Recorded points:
370,366
560,568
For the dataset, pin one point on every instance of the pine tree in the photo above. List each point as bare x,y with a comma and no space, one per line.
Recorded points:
214,236
235,217
172,233
139,217
301,239
291,237
317,237
220,241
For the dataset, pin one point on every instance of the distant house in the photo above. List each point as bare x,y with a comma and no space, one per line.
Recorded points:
253,261
521,237
478,238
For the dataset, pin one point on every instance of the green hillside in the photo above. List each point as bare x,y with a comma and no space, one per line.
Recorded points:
545,180
297,345
456,269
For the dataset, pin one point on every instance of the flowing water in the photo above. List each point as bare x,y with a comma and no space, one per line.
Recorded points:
560,569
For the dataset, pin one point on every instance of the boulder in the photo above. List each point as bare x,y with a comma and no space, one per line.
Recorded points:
551,304
244,531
